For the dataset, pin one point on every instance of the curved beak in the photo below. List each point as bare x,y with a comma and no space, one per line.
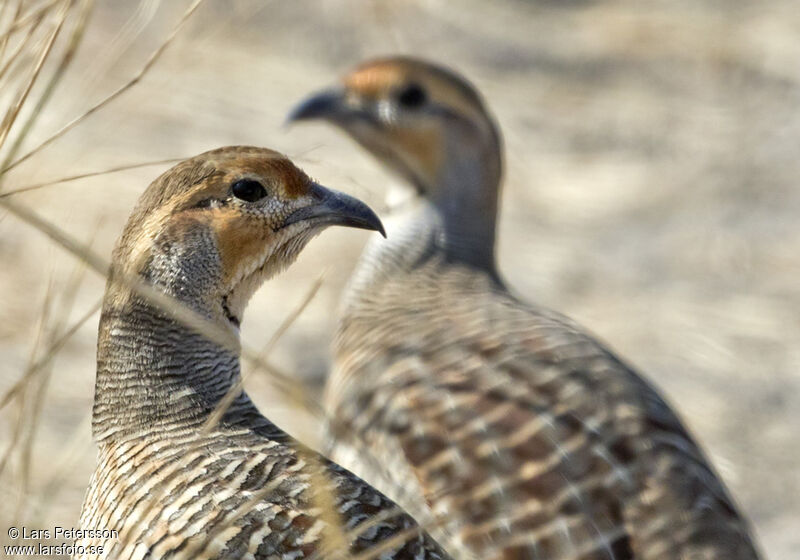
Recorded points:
331,207
326,104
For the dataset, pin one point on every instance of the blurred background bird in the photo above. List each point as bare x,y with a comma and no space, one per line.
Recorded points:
650,193
526,436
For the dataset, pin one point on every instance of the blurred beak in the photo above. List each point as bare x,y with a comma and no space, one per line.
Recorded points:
326,104
329,207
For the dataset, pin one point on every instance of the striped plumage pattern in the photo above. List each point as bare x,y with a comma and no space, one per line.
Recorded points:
527,438
173,479
236,493
520,434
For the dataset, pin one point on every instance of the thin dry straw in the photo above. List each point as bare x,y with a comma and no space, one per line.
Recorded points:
292,317
48,355
4,39
109,57
20,424
20,22
66,59
28,422
59,334
13,112
322,496
116,169
75,448
38,375
20,48
320,487
152,59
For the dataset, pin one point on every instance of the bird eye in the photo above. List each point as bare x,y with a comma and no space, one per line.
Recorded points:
248,190
412,96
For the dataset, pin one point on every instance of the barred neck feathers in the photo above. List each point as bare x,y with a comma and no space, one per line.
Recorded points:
155,375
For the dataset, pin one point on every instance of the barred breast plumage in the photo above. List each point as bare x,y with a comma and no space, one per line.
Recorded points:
234,493
525,435
172,479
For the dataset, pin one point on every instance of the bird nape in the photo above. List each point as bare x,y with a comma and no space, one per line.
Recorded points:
183,473
517,430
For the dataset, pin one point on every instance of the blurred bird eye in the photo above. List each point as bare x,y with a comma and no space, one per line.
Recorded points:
248,190
412,96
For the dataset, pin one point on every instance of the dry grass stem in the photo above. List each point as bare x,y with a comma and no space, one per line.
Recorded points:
53,349
4,39
88,174
20,21
290,386
333,542
19,48
388,544
46,357
292,317
152,59
67,56
112,53
13,112
197,545
24,401
69,454
38,375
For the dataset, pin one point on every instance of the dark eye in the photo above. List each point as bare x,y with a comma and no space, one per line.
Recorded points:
412,96
248,190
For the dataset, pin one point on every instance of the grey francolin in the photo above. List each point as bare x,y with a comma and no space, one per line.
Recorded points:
174,481
526,436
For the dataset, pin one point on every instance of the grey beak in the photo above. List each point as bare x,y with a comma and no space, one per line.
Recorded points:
324,104
336,208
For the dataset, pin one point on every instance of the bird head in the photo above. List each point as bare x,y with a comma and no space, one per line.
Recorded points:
210,230
423,121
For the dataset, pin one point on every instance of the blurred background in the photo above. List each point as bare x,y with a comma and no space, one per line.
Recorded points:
651,193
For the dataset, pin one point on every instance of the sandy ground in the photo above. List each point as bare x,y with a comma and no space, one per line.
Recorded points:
651,193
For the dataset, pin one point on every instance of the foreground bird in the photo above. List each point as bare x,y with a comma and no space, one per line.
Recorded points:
526,436
172,480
